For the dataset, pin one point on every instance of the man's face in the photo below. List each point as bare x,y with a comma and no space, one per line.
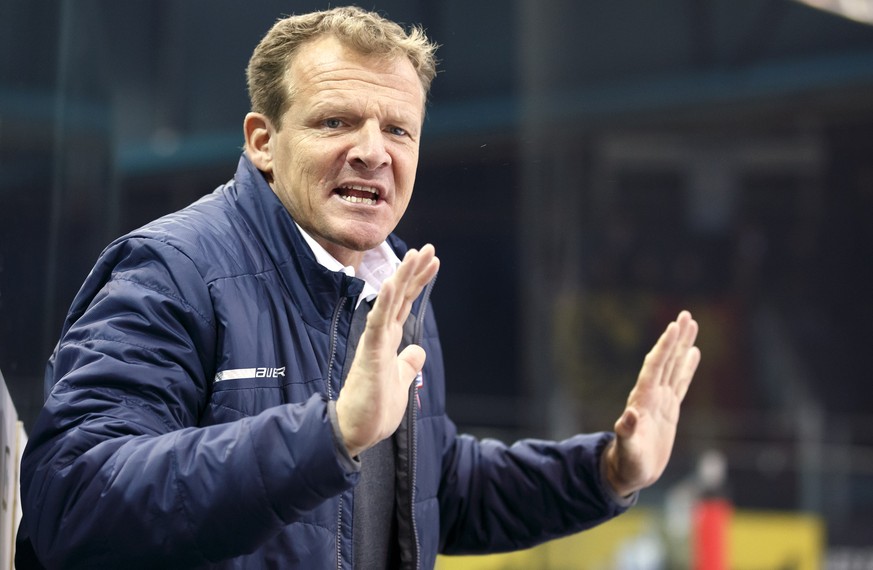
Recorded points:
344,161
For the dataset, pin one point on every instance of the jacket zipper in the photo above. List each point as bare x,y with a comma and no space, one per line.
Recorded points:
413,431
334,327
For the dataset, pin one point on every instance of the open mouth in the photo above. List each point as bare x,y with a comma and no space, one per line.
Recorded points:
355,194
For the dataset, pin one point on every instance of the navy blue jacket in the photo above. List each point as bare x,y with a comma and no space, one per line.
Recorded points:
189,426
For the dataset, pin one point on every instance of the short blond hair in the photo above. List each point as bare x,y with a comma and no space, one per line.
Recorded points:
368,33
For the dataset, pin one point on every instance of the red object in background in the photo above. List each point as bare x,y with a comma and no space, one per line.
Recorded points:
710,535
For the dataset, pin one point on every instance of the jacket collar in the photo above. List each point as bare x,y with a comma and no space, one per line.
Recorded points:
272,226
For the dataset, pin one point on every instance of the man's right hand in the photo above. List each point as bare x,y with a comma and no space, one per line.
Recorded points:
373,400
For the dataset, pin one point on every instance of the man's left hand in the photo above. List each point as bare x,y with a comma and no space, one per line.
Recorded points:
646,430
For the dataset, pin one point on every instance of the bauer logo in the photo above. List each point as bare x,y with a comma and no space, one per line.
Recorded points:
244,373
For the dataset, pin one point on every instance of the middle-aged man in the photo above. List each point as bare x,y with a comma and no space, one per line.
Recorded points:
256,380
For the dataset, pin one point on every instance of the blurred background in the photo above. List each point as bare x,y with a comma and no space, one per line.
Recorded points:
588,169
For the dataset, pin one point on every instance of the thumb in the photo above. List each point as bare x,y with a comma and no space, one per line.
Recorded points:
410,362
626,424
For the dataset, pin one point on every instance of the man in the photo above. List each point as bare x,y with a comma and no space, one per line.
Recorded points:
255,381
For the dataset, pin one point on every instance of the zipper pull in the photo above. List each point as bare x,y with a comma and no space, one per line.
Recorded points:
419,383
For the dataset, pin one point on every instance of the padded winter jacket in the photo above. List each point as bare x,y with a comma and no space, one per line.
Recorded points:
188,423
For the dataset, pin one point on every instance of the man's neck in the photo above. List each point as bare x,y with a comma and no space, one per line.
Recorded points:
373,266
347,257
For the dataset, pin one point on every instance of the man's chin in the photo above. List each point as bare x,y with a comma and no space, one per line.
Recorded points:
361,238
353,247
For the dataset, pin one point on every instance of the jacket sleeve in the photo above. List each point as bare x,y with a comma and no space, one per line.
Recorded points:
116,470
496,497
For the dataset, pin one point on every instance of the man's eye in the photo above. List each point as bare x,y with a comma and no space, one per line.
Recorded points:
398,131
332,123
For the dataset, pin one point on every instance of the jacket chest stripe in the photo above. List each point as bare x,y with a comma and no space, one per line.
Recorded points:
245,373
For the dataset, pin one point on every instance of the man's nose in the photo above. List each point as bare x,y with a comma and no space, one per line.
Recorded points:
368,150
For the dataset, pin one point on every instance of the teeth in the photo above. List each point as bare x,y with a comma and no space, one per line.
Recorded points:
362,189
356,200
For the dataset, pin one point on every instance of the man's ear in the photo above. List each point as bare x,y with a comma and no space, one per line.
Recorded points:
259,134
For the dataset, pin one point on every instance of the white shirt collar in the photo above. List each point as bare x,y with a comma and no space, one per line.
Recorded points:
377,265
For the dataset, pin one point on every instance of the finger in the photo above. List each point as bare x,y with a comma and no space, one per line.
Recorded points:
687,335
410,362
421,269
409,268
382,307
389,302
413,356
626,424
686,342
428,265
405,271
398,292
427,272
686,372
654,362
689,329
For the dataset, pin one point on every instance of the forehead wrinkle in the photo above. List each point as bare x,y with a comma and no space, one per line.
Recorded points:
368,78
346,94
354,66
396,76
